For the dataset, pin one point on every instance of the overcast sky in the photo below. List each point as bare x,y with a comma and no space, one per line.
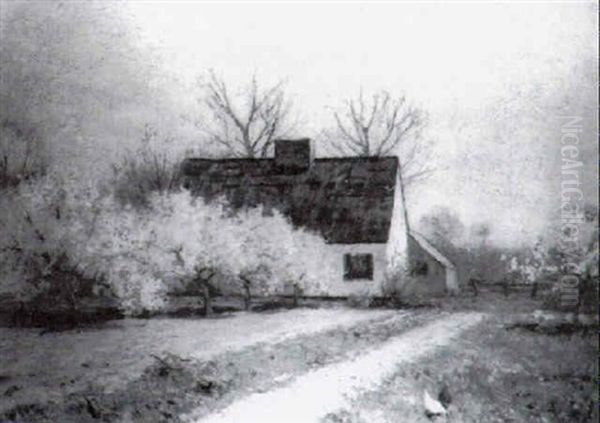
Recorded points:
495,79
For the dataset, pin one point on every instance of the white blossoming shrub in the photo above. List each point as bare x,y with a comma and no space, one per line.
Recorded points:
266,250
33,238
142,254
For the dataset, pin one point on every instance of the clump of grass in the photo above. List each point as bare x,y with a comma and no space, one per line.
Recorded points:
524,376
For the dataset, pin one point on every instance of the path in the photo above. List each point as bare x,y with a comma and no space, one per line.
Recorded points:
317,393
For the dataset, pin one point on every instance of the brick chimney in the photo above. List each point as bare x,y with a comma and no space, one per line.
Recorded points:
293,156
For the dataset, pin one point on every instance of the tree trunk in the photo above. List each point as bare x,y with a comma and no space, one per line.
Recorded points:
246,283
474,288
208,311
296,295
534,289
247,296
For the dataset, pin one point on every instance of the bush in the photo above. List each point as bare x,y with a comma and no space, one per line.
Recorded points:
21,157
36,257
142,253
248,251
360,300
137,178
30,220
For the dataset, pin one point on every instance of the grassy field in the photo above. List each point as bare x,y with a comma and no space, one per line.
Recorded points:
508,369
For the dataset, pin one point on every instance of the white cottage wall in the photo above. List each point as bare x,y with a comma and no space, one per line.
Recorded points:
397,246
330,269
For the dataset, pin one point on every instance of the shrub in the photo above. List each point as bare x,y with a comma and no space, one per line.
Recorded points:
21,157
250,252
137,177
360,300
36,258
33,244
141,253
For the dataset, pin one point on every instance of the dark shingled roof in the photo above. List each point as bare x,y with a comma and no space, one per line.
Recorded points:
347,200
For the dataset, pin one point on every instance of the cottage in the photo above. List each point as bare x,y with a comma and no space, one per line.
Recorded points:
355,203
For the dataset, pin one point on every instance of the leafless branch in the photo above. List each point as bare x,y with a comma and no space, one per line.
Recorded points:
382,126
246,126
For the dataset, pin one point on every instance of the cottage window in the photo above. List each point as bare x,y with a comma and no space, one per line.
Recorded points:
358,266
420,268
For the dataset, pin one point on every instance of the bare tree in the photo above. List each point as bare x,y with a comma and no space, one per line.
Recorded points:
481,231
380,127
443,226
247,129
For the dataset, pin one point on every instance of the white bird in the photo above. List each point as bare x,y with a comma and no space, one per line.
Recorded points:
432,407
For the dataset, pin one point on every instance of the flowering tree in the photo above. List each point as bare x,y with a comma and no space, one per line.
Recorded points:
143,253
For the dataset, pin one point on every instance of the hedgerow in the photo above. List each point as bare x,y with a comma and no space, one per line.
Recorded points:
141,254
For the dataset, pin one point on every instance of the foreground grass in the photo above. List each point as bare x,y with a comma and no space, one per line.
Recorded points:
496,373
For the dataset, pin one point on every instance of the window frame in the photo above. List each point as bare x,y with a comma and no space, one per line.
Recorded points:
353,272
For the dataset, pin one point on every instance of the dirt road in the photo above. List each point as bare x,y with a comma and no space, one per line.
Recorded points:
314,395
